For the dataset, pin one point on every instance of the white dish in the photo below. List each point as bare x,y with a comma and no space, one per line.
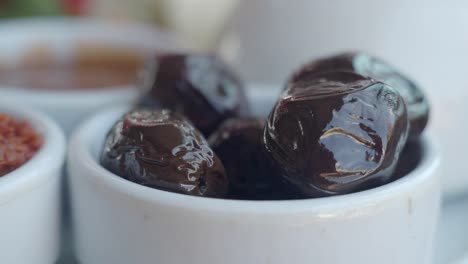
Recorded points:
61,35
30,197
116,220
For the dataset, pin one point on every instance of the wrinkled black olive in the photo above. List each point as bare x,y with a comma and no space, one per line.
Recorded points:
162,150
375,68
336,132
200,87
239,144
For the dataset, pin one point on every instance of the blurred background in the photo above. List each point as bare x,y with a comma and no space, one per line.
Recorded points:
200,22
264,40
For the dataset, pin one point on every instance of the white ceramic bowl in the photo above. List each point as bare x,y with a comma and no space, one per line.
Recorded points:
30,197
118,221
70,107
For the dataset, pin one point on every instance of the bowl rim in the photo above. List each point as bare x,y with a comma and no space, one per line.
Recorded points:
88,167
45,165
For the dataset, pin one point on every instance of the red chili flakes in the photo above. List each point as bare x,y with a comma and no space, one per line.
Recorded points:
18,143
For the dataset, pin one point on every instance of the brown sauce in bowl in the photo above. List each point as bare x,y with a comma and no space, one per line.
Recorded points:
87,69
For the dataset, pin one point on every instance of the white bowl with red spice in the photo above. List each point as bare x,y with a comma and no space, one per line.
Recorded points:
71,67
29,194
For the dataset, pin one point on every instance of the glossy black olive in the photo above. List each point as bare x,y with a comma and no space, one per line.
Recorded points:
200,87
375,68
162,150
336,132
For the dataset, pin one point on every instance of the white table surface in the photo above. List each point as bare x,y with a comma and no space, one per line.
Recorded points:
452,237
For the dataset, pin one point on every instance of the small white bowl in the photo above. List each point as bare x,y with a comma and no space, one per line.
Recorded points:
61,36
118,221
30,197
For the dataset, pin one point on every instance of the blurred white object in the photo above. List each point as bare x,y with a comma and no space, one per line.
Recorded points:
199,21
428,40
